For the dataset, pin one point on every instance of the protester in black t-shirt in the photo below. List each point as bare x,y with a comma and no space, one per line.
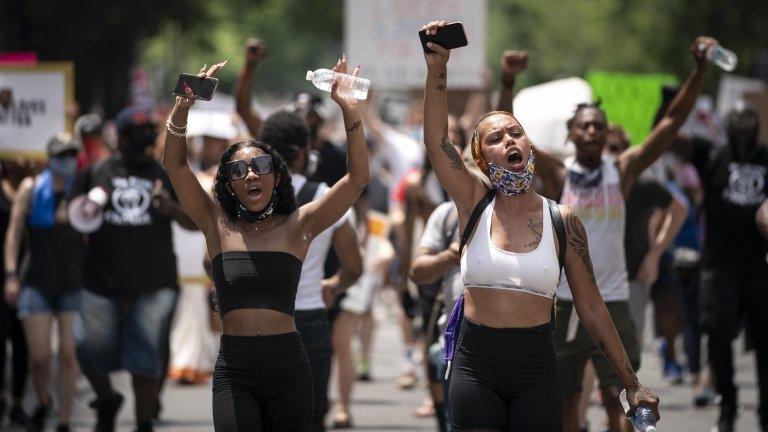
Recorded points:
130,277
48,286
735,269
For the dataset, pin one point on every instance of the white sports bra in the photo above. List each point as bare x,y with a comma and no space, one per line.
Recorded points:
484,265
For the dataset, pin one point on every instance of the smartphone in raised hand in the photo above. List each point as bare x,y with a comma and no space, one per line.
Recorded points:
202,88
449,37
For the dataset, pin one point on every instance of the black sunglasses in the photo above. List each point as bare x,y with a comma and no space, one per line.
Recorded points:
237,170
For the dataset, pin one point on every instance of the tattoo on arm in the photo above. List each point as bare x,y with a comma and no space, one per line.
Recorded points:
577,239
355,126
441,87
450,151
536,228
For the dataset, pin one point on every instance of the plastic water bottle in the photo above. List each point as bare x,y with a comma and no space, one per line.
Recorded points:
726,59
644,420
356,86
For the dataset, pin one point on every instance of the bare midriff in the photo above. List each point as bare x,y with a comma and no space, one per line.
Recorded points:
257,322
498,308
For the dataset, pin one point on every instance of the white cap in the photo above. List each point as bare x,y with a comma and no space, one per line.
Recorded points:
310,75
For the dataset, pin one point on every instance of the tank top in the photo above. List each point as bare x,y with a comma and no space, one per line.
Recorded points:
601,209
485,265
256,280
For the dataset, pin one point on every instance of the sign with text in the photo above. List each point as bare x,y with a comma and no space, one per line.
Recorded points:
382,36
33,102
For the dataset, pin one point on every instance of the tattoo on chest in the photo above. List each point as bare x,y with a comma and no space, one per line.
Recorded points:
536,227
577,239
450,151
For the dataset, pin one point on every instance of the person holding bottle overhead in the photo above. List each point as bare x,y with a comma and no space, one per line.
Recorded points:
258,238
503,373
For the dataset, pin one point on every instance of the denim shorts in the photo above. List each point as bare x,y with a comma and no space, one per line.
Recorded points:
33,301
115,333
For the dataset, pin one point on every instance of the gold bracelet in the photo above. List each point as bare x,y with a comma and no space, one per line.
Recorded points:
170,123
182,134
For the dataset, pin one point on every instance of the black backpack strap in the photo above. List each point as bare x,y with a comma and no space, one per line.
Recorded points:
307,193
473,218
557,223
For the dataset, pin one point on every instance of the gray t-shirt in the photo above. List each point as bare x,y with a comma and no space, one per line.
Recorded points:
439,233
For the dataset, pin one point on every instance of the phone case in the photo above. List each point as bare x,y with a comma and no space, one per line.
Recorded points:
449,37
203,89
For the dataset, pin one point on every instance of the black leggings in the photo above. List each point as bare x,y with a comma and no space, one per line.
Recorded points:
10,328
505,380
262,383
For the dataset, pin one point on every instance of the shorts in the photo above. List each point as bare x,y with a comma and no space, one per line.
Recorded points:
117,333
572,356
34,301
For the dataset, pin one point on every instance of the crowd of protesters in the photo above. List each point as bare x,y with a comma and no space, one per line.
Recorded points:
323,220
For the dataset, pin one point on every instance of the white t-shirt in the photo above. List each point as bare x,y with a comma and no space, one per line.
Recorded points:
309,295
435,238
602,210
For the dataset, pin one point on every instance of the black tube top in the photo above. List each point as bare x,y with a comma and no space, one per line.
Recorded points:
256,280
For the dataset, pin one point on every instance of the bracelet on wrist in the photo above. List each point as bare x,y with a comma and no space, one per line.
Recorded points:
170,123
169,127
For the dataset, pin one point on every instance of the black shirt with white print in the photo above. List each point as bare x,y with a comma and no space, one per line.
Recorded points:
132,252
733,191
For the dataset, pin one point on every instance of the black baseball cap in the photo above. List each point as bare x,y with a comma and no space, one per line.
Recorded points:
133,117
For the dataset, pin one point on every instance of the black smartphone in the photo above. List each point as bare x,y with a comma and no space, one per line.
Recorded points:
202,88
449,37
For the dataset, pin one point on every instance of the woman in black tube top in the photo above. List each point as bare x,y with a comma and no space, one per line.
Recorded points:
258,239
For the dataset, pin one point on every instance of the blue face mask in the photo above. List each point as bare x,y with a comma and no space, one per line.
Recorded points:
511,183
63,166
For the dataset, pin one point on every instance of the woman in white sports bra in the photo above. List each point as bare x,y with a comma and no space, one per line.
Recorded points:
503,368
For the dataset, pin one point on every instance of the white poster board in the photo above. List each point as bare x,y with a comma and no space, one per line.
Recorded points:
732,89
544,109
33,102
382,37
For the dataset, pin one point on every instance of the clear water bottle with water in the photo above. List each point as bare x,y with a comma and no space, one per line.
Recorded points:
356,86
643,420
722,57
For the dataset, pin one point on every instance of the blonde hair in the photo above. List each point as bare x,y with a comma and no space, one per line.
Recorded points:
477,155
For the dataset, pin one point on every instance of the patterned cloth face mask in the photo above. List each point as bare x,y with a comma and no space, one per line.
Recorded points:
511,183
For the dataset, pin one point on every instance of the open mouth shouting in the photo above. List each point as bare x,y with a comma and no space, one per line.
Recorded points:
254,192
515,159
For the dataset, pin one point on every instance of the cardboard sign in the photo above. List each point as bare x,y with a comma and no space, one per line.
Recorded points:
382,36
33,101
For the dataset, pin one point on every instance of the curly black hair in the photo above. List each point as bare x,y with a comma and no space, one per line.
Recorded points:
581,107
285,201
285,132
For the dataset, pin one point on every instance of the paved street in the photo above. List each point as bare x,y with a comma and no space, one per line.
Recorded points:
380,406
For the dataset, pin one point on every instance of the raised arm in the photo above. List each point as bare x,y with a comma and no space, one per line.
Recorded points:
551,171
198,204
255,52
16,226
463,187
635,160
320,214
762,218
512,63
594,315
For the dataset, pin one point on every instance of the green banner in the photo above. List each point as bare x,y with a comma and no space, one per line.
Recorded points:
630,100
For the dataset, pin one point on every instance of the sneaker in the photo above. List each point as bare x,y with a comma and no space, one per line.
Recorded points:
37,422
704,398
144,427
18,416
727,418
673,372
106,412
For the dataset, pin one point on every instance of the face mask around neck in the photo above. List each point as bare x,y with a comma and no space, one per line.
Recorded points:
511,183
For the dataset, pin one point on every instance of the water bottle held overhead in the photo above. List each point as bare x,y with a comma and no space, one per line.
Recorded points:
726,59
348,84
644,420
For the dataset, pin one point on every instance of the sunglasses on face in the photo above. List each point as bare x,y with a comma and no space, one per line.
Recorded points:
237,170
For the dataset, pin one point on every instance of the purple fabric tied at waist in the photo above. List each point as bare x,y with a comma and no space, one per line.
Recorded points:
452,329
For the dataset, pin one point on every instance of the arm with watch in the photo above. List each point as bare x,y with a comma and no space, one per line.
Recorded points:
16,227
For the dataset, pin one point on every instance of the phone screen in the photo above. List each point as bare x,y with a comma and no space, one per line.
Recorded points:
202,88
449,37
